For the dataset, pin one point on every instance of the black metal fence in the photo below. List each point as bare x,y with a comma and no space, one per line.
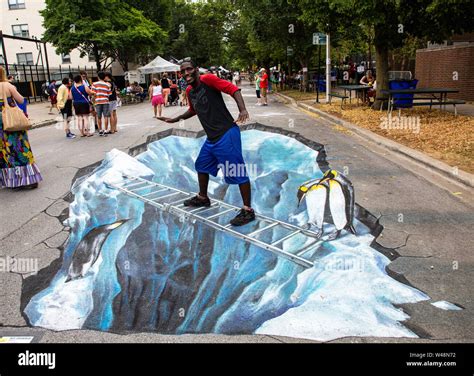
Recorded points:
31,80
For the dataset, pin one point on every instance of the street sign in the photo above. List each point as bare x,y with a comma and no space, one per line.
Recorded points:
319,38
289,51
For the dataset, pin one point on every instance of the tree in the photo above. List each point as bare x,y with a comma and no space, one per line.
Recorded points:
198,30
103,28
274,26
393,21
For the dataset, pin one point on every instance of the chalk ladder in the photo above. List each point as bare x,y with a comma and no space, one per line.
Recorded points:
169,199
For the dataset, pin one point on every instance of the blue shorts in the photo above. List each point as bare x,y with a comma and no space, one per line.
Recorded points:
225,154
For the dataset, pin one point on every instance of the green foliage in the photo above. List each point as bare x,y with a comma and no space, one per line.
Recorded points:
241,33
199,30
105,28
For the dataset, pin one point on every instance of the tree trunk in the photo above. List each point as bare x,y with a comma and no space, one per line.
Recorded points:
122,58
305,82
95,51
381,53
369,58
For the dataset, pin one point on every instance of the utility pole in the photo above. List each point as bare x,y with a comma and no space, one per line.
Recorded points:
328,67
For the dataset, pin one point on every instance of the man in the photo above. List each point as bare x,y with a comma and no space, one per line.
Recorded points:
64,104
53,95
85,79
102,90
264,86
223,145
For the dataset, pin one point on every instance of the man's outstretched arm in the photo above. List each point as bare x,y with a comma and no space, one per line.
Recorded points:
243,114
188,114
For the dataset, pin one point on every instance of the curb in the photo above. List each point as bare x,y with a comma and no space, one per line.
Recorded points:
427,161
43,124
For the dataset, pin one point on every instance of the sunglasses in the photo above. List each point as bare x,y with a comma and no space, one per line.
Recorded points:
186,59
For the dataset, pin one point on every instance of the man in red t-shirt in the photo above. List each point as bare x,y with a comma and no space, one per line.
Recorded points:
223,147
264,85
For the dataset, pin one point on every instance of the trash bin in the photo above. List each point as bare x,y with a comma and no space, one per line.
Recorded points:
402,100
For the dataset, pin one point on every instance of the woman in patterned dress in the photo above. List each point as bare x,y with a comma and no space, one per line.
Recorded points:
17,164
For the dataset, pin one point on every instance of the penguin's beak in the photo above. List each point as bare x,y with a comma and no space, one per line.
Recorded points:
117,224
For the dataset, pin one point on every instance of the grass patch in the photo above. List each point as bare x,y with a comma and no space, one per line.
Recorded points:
441,135
300,96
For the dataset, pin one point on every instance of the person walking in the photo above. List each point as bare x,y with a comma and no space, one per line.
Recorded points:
112,102
81,102
102,90
223,147
53,94
166,88
155,94
18,169
65,106
264,86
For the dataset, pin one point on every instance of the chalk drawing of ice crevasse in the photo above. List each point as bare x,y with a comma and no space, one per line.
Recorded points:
155,273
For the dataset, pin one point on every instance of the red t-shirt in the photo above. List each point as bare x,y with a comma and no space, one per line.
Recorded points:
264,81
206,101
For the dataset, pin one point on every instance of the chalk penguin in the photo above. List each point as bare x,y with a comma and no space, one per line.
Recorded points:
341,201
88,250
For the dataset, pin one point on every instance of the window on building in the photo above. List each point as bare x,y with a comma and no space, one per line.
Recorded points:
25,58
16,4
21,30
91,57
66,58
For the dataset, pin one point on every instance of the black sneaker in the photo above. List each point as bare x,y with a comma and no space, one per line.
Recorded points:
197,201
101,133
244,217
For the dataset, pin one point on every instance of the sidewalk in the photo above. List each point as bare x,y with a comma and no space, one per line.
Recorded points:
443,143
38,113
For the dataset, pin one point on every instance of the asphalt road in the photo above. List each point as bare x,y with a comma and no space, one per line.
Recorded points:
435,237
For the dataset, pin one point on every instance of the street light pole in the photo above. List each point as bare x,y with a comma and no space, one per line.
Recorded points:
328,67
4,53
319,75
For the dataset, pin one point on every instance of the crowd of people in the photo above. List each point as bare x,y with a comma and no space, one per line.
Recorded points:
92,107
94,104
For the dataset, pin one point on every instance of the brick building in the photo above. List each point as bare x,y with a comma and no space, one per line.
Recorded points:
440,65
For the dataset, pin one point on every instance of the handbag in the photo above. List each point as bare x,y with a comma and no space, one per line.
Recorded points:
13,118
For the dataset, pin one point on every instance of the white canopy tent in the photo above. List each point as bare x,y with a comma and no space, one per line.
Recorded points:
159,65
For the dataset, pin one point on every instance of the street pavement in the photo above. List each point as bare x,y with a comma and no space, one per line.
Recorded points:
434,238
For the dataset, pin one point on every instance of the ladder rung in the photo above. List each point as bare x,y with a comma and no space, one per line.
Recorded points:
305,248
135,190
263,229
286,237
152,193
203,208
221,213
166,196
127,186
175,202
